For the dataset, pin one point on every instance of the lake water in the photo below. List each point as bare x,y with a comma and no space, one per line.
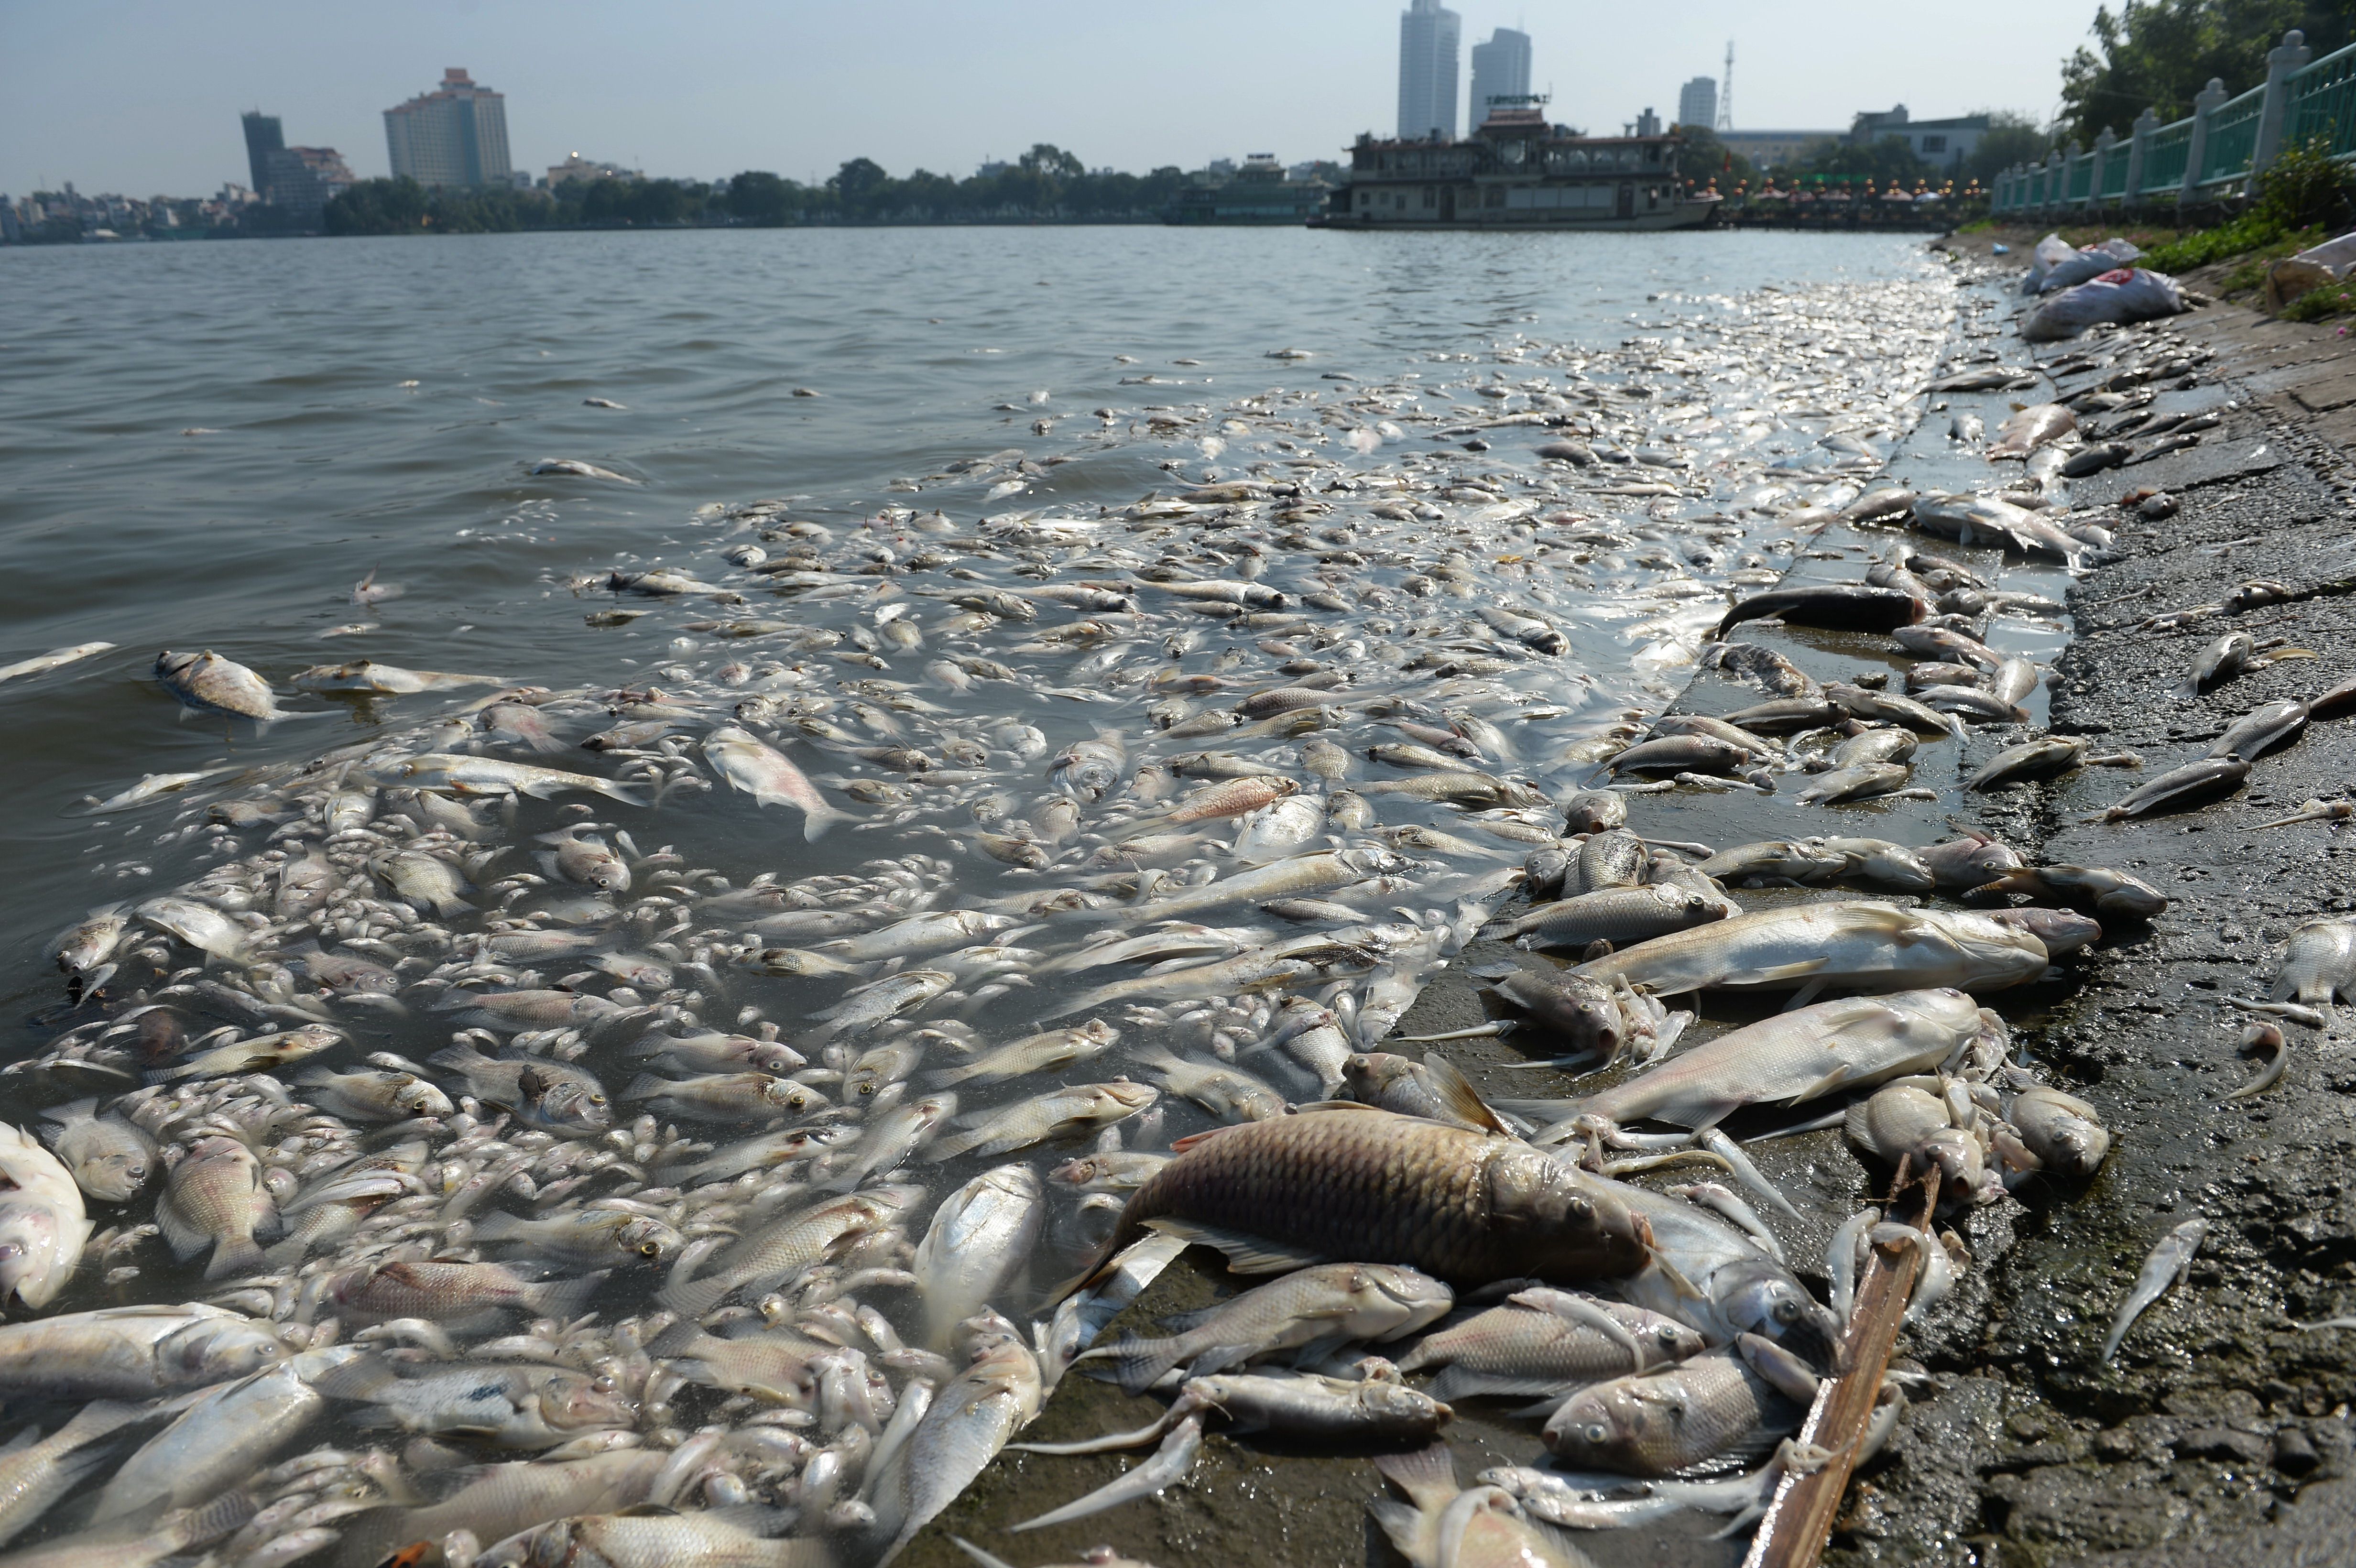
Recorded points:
313,463
208,446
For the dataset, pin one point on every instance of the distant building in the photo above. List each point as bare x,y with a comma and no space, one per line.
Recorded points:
455,136
1698,102
576,167
1427,70
1646,124
1773,149
303,179
263,136
1943,144
298,180
1501,69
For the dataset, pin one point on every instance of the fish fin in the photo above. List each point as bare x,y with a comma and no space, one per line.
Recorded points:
1403,1523
1135,1364
1428,1476
1462,1383
1246,1253
362,1379
1457,1093
562,1299
1768,974
646,1086
1218,1358
1837,1078
184,1239
980,1557
1800,998
1676,1280
1194,1140
74,1110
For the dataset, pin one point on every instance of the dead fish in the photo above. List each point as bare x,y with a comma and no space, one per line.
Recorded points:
1455,1203
1331,1304
2048,756
1840,606
2169,1264
2098,887
208,683
2030,428
2193,783
56,659
2262,730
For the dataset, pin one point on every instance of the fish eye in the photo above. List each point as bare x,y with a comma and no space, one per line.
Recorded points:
867,1088
1785,1311
596,1099
1595,1433
650,1249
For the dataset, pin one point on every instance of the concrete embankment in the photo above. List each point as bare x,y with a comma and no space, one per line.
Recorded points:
2219,1433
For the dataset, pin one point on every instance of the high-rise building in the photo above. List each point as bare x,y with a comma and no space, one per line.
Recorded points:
263,136
1500,69
1427,77
1698,102
455,136
299,180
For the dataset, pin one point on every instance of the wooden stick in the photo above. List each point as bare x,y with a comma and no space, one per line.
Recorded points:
1800,1521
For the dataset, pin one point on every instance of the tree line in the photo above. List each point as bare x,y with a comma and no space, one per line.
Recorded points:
1045,184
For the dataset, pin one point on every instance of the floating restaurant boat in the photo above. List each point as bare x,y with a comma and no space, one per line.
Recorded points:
1517,172
1260,192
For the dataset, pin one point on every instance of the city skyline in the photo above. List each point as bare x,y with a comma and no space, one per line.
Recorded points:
729,84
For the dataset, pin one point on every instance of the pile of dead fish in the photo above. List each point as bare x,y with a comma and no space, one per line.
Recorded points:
504,1143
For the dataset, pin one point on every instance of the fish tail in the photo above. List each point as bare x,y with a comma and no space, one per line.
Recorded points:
1136,1364
563,1299
203,1526
236,1254
1428,1476
817,819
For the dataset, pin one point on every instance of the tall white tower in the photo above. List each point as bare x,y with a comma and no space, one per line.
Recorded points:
1428,32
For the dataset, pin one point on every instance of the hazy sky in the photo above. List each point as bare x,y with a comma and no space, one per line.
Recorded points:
142,96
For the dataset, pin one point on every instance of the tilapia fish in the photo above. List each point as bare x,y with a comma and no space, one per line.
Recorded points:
1344,1183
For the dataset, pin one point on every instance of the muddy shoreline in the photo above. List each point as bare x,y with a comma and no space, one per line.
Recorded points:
2219,1433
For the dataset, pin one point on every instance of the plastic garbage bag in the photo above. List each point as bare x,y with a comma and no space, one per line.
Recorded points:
2317,267
2130,293
2093,261
2050,253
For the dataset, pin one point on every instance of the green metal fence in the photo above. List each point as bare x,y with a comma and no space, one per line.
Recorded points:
2164,158
2233,139
2323,104
2212,153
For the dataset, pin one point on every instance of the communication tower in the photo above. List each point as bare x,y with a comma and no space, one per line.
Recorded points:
1726,94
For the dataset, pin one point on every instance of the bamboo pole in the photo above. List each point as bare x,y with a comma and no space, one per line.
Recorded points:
1800,1519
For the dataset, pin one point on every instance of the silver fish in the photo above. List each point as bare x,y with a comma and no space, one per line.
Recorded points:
2169,1262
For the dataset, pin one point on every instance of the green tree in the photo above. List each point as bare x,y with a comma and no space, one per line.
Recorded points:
858,186
2160,53
761,197
1705,158
2012,138
1885,162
